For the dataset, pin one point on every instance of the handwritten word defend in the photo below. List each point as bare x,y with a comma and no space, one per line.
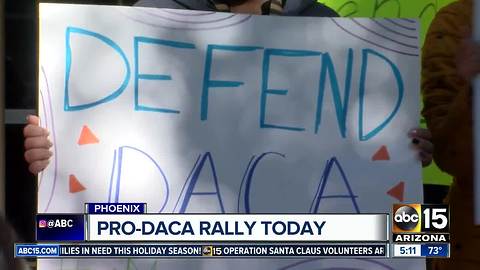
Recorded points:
327,73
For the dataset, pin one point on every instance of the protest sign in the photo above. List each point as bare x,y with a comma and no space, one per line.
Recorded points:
194,111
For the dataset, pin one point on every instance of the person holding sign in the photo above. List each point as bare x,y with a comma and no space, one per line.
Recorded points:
37,145
450,61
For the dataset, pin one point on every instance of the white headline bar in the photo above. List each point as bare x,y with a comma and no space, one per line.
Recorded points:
228,227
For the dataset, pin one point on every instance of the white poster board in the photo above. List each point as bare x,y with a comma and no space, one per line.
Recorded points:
215,112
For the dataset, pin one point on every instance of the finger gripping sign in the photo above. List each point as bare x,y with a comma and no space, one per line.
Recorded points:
193,111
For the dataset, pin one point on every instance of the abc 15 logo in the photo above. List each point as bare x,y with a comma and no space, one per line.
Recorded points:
414,218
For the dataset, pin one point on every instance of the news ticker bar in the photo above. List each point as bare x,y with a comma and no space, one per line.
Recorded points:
196,250
116,250
213,227
421,250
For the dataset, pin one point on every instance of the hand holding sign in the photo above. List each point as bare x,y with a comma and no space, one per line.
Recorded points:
421,139
37,145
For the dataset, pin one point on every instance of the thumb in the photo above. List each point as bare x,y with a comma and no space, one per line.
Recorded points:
33,120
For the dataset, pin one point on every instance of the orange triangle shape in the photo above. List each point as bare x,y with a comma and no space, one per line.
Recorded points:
397,191
381,154
75,185
87,137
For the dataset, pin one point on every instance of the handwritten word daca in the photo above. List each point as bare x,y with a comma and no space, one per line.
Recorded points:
205,163
327,74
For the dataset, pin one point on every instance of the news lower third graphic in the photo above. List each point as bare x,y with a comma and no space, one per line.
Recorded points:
238,228
60,227
127,230
420,218
423,250
116,208
420,230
